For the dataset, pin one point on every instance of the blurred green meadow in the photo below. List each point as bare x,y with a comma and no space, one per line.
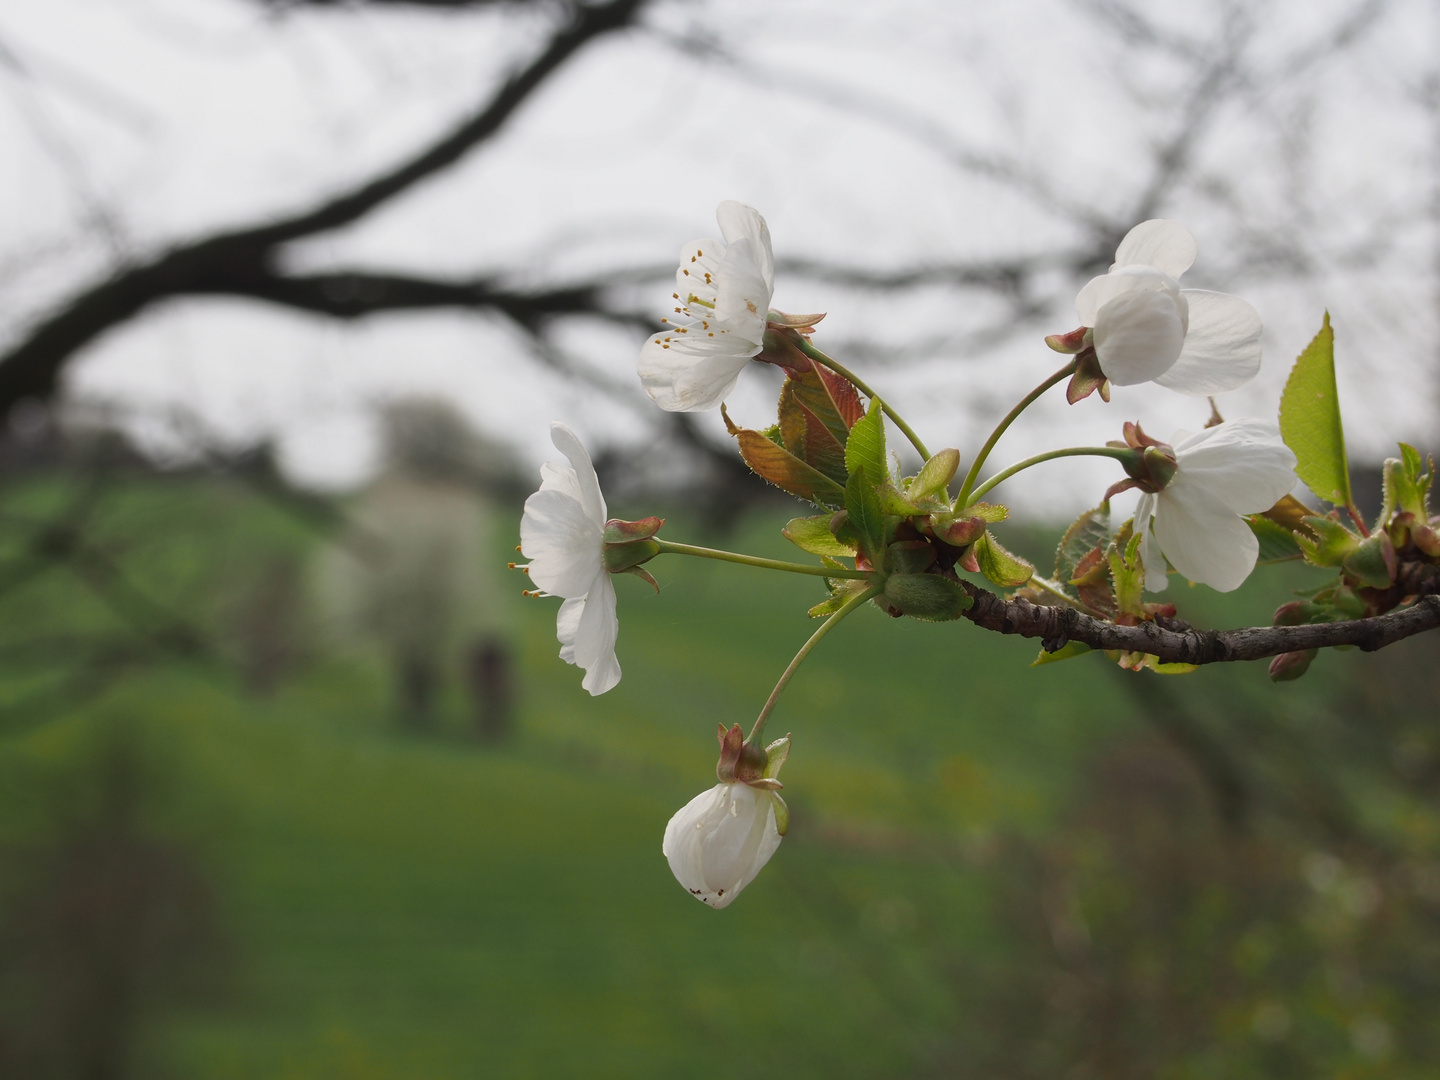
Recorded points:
226,852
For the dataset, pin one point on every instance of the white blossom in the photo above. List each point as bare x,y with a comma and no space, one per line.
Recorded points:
1238,467
722,302
562,534
1148,329
718,841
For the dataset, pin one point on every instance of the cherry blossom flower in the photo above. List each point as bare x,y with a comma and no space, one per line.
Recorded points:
1148,329
718,841
722,303
1238,467
562,533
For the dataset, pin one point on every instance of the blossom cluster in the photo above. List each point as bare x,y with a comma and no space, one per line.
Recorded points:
907,539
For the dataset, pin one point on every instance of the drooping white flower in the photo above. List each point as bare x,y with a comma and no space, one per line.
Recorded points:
1238,467
722,300
1148,329
562,534
718,841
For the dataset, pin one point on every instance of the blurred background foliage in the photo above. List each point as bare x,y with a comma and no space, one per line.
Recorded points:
231,849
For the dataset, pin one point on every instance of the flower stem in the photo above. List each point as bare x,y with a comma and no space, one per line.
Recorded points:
895,418
850,605
755,560
1119,454
1029,399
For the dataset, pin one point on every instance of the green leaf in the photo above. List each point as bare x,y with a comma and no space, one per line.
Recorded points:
1128,574
999,565
1089,531
935,475
787,472
927,596
813,534
865,517
808,437
1277,543
840,592
1065,652
865,448
1310,420
830,397
1332,544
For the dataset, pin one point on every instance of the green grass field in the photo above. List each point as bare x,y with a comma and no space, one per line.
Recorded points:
399,906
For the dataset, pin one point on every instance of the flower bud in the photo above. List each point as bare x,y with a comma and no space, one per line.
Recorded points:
1291,665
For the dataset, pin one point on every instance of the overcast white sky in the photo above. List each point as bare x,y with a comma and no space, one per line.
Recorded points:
130,124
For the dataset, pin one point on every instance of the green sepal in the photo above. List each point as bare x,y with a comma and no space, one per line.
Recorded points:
782,814
644,575
1277,543
813,534
865,446
1310,420
621,557
999,565
776,754
1372,562
929,597
865,516
1333,542
1065,652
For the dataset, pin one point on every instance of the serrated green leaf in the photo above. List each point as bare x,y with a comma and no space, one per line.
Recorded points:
1128,574
807,436
787,472
1310,420
866,518
813,534
865,447
1332,542
1089,531
1065,652
1277,543
999,565
935,475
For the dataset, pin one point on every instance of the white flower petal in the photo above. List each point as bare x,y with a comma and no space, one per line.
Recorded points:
1205,541
695,364
699,262
562,478
718,841
1222,346
1100,290
743,300
567,625
562,543
568,444
682,374
595,635
1166,245
1138,335
1242,465
740,222
1150,557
